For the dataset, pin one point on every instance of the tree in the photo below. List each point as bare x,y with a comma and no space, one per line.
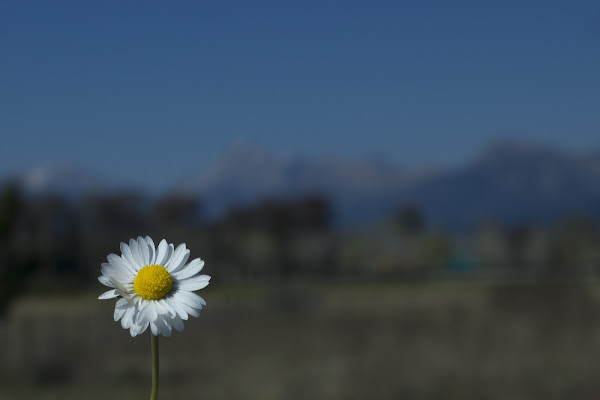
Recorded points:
177,211
13,270
409,219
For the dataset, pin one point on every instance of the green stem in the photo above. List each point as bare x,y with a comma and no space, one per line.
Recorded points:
154,394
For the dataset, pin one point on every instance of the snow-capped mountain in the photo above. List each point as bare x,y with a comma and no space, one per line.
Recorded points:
247,174
514,182
509,182
63,179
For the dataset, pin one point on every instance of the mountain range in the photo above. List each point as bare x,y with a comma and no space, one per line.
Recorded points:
510,182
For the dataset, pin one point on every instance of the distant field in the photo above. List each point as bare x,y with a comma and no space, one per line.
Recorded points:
451,340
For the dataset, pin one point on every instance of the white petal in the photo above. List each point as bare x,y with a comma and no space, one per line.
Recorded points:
142,305
122,304
191,269
134,330
154,328
176,257
111,294
152,314
177,323
194,283
120,264
151,249
138,323
118,314
170,251
162,252
127,317
144,315
181,263
133,245
189,310
143,250
160,309
120,307
143,326
191,299
178,307
105,281
126,292
128,256
190,302
170,311
114,274
164,327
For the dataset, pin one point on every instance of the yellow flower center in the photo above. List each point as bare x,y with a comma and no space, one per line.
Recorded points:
153,282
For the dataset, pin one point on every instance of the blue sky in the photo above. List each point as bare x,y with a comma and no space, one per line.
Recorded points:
149,92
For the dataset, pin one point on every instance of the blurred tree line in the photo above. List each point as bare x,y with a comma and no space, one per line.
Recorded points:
53,243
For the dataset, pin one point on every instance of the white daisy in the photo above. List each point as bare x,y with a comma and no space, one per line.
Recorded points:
156,286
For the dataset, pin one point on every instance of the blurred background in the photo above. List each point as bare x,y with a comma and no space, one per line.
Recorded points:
394,200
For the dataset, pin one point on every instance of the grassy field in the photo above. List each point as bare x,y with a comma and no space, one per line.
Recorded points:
450,340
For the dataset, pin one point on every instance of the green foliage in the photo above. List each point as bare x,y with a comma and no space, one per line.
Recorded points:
13,271
10,205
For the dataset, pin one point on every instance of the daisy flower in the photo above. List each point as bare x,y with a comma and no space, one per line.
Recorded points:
155,285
